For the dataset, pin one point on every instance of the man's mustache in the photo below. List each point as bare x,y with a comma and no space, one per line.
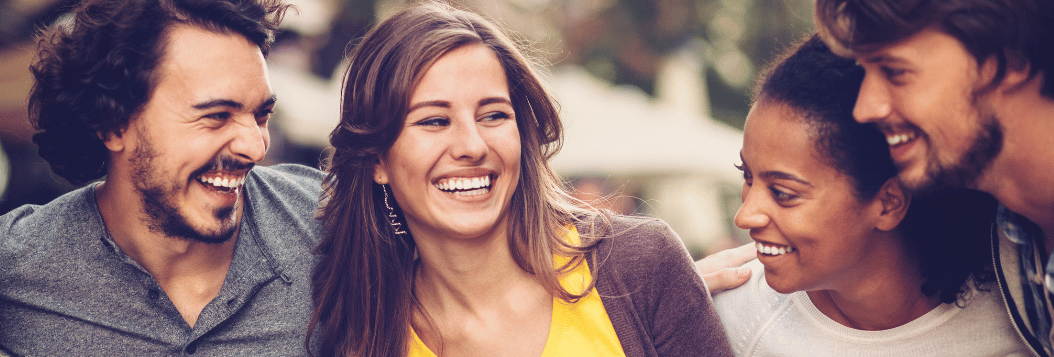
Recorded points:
224,163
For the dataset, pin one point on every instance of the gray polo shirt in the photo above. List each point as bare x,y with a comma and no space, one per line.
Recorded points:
66,289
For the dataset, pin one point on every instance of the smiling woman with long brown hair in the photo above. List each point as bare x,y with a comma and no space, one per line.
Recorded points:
448,232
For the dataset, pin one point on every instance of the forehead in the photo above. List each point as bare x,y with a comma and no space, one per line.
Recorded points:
470,70
928,46
772,124
204,62
777,138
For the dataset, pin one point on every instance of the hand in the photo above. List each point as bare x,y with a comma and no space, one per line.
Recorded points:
723,270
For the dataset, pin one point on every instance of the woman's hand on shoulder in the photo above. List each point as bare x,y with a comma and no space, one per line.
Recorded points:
724,270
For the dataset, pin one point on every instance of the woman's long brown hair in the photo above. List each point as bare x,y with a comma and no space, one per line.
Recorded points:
363,285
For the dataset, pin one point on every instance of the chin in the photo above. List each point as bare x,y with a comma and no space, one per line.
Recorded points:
915,179
779,284
216,228
780,288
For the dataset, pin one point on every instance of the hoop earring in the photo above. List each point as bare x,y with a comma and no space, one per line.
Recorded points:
393,219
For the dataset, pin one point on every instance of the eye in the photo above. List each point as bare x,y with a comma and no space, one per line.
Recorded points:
264,115
218,116
782,197
495,117
892,74
746,174
433,122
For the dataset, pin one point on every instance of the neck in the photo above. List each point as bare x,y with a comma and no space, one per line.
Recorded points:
473,299
1020,177
166,258
467,273
883,293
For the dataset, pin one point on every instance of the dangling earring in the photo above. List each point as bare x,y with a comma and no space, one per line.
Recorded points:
393,219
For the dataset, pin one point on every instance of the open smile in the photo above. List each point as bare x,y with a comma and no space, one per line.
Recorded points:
896,139
773,249
467,186
901,140
224,182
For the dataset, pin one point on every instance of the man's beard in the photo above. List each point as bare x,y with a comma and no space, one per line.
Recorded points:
984,148
162,213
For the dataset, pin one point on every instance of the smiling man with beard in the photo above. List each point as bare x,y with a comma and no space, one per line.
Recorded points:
964,92
185,246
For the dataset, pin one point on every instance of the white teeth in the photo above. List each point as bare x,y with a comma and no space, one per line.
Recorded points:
898,139
223,182
467,185
773,250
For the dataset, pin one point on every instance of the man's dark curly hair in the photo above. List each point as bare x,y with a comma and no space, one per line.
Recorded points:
96,71
947,232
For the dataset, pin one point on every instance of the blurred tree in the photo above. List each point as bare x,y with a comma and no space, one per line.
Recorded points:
624,41
353,19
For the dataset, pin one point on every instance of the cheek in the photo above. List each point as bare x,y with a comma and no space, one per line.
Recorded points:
266,134
506,143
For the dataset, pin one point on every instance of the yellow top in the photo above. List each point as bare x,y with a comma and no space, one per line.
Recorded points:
579,329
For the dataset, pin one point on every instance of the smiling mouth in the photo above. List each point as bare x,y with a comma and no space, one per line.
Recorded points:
773,249
898,139
469,186
221,181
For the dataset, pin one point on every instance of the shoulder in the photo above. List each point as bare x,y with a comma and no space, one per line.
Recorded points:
634,237
640,251
751,301
296,185
68,211
284,201
752,310
288,176
32,234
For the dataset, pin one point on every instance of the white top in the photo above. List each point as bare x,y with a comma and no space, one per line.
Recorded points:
762,322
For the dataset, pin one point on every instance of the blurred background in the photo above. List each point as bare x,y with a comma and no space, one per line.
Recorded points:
653,94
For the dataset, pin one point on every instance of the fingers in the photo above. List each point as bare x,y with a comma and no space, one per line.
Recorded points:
723,270
728,258
725,279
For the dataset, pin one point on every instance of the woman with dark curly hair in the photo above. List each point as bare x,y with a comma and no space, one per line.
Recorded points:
449,234
848,262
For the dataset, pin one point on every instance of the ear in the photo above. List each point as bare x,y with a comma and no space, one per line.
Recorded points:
1018,72
1017,76
380,174
114,141
894,201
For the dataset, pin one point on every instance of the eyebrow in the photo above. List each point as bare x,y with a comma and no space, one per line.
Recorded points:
492,100
780,175
446,104
885,58
229,103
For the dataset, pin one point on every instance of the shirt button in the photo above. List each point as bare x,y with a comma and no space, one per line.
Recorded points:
153,294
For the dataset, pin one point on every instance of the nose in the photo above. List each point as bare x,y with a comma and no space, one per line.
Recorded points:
250,140
468,142
872,103
750,214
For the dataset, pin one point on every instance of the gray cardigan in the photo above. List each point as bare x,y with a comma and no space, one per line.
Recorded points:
657,302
